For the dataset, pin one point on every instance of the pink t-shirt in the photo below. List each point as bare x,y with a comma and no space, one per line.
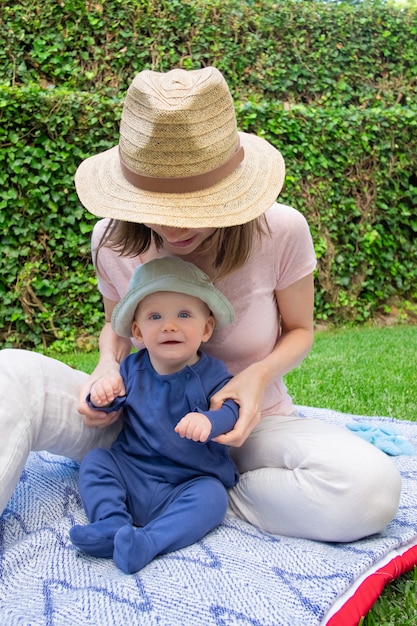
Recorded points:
285,256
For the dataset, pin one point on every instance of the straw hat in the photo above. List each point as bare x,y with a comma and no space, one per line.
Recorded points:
169,274
180,159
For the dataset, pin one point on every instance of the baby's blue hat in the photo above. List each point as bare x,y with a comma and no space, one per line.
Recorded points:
169,274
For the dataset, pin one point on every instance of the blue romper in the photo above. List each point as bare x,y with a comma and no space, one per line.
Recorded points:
173,487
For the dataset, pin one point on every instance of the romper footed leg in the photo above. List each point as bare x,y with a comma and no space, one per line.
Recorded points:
103,492
198,507
305,478
97,538
38,411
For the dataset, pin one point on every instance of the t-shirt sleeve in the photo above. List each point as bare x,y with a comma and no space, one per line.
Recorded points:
293,249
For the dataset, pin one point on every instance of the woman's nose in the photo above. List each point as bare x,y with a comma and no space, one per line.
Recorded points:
172,233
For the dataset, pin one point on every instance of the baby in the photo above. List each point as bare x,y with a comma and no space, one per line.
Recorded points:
163,484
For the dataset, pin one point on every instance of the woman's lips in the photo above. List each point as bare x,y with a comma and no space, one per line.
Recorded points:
181,244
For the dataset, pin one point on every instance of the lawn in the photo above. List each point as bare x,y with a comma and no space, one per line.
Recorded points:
363,371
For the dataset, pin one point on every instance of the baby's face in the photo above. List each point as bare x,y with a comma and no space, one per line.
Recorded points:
172,326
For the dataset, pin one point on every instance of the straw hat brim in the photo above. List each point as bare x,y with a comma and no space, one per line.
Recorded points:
239,198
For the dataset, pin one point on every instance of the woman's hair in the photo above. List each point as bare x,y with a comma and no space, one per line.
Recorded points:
233,244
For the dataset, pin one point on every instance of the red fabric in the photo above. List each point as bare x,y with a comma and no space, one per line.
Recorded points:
369,591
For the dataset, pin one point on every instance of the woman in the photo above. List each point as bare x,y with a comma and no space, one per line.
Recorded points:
183,182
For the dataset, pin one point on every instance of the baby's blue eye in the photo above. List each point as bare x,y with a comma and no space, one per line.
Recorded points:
184,314
155,316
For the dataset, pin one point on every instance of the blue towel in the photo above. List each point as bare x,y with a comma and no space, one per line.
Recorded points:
387,438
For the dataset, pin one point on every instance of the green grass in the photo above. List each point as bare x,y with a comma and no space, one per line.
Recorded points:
363,371
397,606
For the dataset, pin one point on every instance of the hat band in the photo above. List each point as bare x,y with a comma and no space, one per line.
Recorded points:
185,184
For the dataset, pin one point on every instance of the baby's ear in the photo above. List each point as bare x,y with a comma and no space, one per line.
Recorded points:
136,332
208,331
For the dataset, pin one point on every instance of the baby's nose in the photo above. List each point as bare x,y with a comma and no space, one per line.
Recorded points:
169,325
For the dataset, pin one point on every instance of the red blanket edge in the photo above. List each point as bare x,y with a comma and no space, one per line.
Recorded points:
369,591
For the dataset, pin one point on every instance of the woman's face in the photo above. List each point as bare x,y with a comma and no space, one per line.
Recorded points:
181,241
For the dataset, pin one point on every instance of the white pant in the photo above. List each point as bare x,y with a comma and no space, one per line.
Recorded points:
38,411
305,478
300,477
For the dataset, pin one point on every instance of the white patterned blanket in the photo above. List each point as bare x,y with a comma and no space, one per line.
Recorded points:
237,575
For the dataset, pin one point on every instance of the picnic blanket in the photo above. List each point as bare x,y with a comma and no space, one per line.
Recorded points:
237,575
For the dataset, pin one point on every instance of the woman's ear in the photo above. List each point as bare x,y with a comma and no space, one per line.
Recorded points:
209,328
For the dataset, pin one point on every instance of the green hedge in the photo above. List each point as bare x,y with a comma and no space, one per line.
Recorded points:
333,86
351,172
298,51
47,284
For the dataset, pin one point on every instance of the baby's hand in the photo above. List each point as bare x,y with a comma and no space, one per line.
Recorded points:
195,426
105,390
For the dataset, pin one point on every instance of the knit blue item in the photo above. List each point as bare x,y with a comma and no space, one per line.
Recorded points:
386,437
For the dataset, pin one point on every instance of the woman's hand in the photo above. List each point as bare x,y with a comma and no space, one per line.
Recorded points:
106,374
247,390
